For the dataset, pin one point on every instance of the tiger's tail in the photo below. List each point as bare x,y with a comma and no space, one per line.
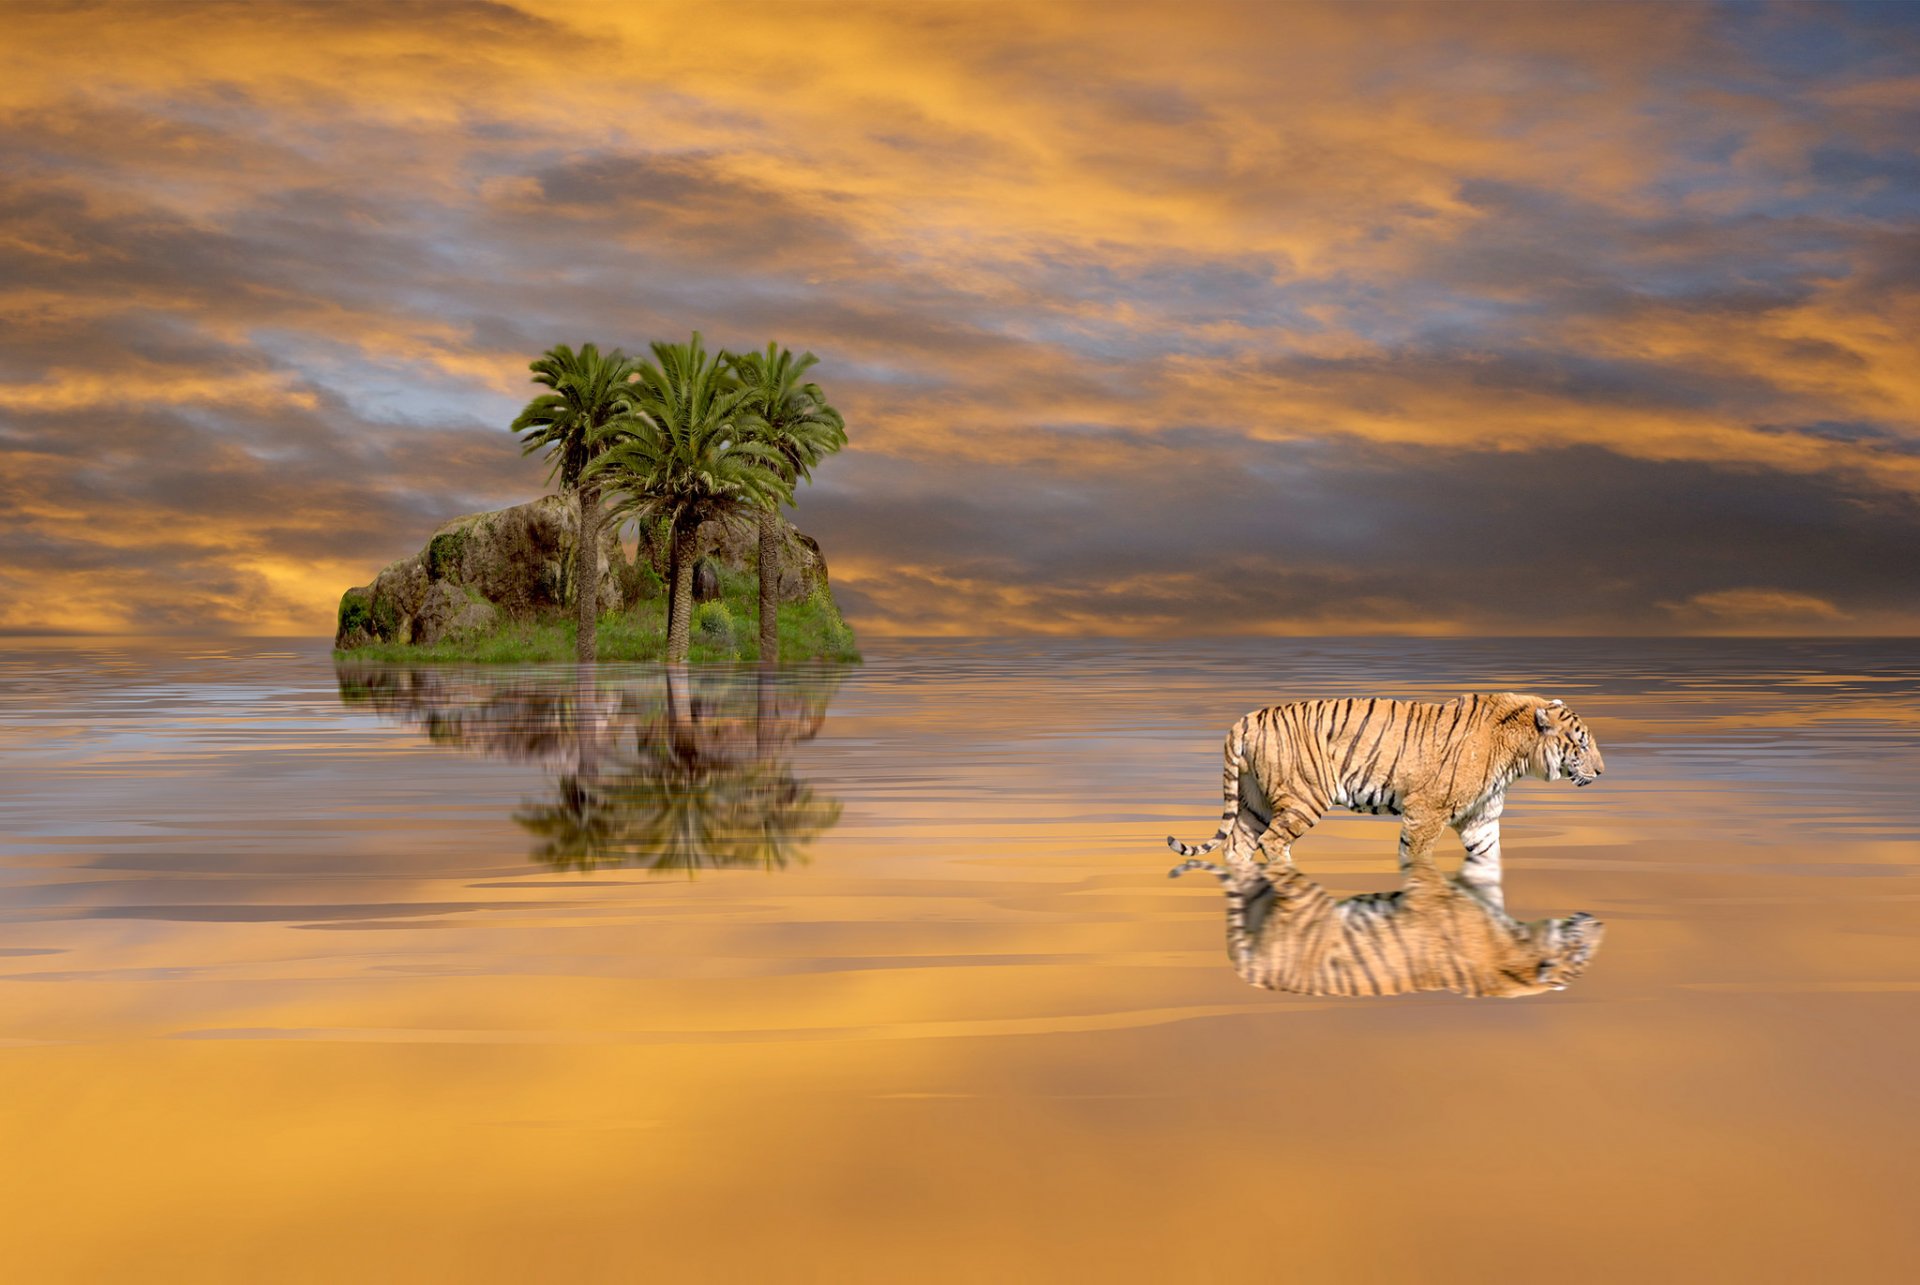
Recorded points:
1230,812
1250,897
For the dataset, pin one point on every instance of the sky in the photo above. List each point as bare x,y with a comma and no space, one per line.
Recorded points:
1157,319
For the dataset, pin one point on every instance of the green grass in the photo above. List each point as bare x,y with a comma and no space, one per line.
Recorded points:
809,630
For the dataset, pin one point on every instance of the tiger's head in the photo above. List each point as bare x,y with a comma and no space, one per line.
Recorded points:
1569,943
1565,747
1557,952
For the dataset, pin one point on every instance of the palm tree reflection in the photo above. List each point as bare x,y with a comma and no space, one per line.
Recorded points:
666,770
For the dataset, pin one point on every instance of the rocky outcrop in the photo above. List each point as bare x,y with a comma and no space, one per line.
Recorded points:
481,571
800,566
476,571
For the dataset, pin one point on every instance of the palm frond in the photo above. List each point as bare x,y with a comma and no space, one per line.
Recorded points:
791,417
591,405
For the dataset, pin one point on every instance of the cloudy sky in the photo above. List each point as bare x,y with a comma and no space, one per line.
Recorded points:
1160,319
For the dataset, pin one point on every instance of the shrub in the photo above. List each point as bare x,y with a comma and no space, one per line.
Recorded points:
713,623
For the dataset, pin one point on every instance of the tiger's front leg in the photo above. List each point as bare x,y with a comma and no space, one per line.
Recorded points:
1480,835
1418,834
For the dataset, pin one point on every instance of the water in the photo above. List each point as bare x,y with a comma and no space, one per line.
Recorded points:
489,975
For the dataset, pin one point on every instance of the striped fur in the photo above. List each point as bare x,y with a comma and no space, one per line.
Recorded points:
1286,933
1433,765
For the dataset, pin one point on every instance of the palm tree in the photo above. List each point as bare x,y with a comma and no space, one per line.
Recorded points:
696,787
592,397
793,419
577,829
688,458
664,805
696,776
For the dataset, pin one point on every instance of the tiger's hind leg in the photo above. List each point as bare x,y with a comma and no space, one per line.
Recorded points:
1292,817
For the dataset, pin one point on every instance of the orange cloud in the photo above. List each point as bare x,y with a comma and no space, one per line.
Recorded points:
301,255
1754,610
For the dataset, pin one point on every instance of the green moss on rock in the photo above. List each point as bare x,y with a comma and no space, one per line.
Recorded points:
443,553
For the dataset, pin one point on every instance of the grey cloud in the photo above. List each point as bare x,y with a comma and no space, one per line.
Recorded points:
691,202
1563,540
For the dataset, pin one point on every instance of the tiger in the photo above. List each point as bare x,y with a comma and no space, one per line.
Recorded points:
1287,933
1432,765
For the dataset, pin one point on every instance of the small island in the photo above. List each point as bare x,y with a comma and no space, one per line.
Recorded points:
694,453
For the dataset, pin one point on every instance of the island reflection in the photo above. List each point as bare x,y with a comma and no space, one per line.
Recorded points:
1287,933
664,770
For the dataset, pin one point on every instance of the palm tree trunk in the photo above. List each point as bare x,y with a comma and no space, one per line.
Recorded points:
764,710
586,575
673,575
680,730
680,621
587,728
769,588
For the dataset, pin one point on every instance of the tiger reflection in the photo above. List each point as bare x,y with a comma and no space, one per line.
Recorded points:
1287,933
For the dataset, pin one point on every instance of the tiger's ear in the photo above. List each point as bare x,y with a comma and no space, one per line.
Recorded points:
1555,703
1540,719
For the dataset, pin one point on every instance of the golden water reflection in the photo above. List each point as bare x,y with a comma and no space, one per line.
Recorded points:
282,997
677,770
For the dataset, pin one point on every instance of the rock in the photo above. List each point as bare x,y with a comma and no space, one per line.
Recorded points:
515,563
450,611
805,570
706,581
355,628
800,565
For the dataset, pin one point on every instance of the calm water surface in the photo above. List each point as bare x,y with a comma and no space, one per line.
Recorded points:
318,973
